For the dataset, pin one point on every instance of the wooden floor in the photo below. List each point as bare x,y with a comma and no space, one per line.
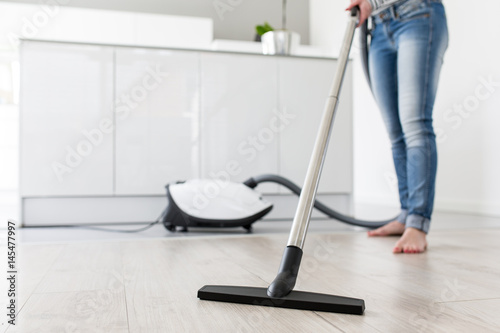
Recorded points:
150,285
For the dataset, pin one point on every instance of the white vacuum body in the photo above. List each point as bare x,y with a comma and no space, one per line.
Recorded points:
212,203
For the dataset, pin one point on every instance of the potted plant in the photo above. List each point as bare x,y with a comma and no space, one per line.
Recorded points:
262,29
282,41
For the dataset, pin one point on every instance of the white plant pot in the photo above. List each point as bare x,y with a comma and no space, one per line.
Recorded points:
281,42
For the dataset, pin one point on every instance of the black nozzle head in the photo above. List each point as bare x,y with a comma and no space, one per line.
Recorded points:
284,282
281,286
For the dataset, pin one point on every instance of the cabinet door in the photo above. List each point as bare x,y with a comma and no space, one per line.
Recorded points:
238,135
304,87
157,109
66,119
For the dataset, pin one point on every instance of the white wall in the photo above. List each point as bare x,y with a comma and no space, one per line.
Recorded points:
60,23
233,19
468,140
9,139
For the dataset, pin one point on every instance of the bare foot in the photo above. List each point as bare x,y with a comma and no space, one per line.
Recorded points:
412,241
392,228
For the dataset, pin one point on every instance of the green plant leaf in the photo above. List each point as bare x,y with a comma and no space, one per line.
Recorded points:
262,29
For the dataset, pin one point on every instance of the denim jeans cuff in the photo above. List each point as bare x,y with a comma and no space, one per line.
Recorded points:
418,222
402,216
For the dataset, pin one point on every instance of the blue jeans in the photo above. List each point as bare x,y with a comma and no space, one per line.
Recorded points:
406,53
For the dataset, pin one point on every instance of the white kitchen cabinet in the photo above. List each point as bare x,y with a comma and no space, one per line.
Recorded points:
157,111
105,128
303,89
66,119
239,103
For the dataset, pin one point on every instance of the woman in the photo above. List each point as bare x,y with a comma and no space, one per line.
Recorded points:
409,39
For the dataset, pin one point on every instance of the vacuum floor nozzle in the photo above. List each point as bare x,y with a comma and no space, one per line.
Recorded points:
294,300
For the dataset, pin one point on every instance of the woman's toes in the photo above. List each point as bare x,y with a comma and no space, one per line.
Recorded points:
412,241
397,249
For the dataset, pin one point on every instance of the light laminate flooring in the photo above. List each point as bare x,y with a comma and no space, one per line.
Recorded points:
150,285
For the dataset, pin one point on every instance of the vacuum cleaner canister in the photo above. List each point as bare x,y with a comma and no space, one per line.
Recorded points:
217,203
212,203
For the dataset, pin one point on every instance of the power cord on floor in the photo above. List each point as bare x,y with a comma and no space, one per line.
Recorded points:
116,230
158,220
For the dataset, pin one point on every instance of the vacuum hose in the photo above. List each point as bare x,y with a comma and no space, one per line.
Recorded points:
254,181
364,46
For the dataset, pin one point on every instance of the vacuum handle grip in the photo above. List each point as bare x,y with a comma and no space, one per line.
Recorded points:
355,11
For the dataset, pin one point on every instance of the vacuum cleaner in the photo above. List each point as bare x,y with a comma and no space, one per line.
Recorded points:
280,292
215,203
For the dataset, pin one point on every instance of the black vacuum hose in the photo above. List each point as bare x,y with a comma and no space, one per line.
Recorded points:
254,181
364,45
